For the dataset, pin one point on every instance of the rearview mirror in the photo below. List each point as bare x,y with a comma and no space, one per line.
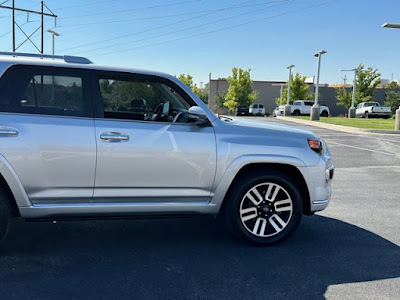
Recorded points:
197,116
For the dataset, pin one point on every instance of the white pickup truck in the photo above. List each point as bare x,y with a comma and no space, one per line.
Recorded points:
303,107
373,110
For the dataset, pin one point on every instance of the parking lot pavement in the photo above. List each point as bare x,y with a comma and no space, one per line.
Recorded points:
349,251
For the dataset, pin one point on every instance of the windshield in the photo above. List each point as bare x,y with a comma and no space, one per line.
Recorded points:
371,104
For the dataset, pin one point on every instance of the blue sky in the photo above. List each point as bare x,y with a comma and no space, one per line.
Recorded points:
203,36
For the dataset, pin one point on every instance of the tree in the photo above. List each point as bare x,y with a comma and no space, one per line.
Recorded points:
240,91
219,100
202,93
298,90
367,81
393,85
392,100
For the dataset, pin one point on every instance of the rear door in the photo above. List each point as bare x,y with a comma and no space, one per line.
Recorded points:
47,132
148,151
307,107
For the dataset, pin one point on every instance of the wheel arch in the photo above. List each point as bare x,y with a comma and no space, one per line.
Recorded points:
10,182
238,169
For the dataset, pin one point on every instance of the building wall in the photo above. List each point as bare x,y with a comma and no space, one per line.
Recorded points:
268,93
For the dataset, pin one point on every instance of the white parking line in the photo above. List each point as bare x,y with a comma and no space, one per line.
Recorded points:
362,148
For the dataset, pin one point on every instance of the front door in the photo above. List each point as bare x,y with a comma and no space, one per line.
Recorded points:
147,149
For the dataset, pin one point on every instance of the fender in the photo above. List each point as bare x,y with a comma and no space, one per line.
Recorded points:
240,162
16,187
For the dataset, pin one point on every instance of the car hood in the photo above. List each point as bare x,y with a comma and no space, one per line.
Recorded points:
257,127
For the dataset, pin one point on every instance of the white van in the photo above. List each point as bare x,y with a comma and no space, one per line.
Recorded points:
257,108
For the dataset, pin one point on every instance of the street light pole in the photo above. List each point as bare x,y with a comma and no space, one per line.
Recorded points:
288,111
315,111
54,34
281,85
352,109
397,119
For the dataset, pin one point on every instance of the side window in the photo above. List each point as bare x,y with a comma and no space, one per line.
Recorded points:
133,99
296,103
46,91
255,105
308,103
261,106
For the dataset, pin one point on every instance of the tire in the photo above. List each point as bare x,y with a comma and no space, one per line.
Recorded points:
4,214
262,223
324,114
296,112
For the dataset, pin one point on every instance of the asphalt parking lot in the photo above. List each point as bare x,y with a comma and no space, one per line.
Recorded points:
349,251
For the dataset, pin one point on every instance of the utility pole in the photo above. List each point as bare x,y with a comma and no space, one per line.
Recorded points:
15,24
344,81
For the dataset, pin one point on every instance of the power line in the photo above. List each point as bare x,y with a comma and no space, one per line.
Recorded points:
184,29
163,26
217,30
164,16
132,9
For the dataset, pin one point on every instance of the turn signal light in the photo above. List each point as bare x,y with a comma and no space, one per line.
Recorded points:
315,145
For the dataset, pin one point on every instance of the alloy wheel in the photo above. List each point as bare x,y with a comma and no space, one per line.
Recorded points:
266,209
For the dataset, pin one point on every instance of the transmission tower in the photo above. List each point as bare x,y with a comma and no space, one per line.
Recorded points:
15,25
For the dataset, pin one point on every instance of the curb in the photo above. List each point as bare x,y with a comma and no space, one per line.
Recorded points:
338,127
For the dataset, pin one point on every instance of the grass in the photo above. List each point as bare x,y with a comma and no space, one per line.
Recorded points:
383,124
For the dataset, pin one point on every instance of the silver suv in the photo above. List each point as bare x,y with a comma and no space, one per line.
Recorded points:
79,140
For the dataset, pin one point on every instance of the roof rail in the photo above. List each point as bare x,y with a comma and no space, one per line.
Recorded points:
66,58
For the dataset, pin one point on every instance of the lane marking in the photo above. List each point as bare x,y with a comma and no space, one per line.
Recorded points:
362,148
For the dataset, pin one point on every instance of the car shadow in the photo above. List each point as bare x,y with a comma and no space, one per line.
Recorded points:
186,259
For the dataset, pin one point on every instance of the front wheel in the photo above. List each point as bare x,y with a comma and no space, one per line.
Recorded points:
266,209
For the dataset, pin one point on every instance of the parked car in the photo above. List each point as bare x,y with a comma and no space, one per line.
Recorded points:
257,109
303,108
79,140
242,110
373,110
276,112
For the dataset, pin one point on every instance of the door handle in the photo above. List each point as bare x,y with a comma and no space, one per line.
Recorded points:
8,131
114,137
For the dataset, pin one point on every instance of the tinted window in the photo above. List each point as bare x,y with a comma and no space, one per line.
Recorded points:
45,91
261,106
308,103
296,103
142,100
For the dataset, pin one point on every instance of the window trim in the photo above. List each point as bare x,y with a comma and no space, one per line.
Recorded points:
97,98
84,74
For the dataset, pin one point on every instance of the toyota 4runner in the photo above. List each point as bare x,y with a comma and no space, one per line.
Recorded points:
79,140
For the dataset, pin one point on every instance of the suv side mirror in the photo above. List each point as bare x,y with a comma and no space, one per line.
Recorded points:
197,116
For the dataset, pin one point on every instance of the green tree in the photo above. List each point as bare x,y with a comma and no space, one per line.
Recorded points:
393,85
240,91
219,100
299,90
393,100
187,79
367,80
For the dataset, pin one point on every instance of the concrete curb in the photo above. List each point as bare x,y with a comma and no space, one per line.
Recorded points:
338,127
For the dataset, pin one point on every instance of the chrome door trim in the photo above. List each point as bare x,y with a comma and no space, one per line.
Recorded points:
112,136
8,131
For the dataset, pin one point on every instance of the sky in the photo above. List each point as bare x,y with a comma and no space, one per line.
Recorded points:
209,36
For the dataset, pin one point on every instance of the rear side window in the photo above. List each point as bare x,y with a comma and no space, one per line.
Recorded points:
45,91
261,106
308,103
